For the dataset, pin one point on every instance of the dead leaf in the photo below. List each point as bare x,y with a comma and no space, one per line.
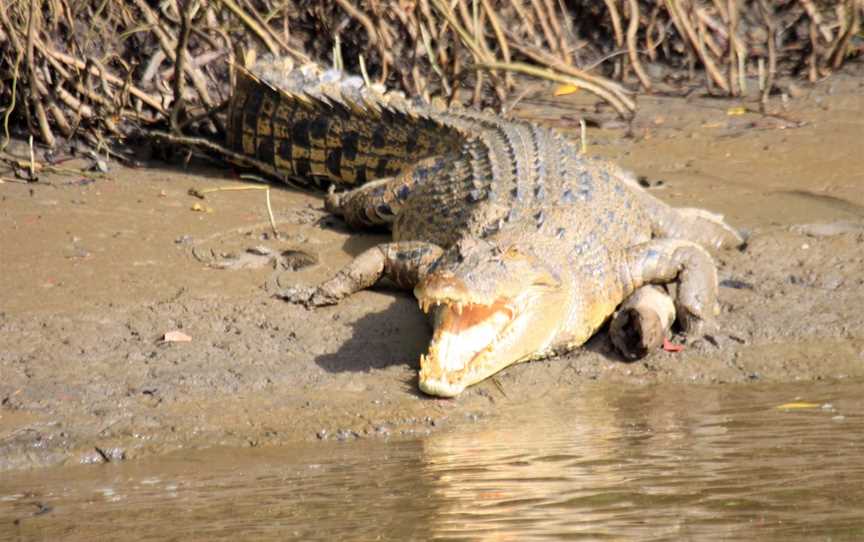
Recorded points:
672,347
198,208
736,111
563,90
176,337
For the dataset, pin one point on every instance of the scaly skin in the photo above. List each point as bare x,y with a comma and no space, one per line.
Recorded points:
519,245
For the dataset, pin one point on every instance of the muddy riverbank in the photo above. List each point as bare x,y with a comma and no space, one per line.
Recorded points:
96,273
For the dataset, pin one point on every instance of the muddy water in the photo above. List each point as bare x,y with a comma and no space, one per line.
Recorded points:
653,463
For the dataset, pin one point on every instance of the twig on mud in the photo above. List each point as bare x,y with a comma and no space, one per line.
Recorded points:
266,187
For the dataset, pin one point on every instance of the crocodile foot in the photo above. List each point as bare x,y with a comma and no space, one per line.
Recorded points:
642,322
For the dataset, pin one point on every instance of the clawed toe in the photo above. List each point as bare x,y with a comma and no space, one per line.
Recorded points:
308,297
693,325
298,295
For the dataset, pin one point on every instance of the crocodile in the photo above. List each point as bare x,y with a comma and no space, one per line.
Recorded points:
517,244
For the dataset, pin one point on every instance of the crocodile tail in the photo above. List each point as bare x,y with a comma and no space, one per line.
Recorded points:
320,127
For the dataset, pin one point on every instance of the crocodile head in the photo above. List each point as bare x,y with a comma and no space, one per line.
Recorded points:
494,304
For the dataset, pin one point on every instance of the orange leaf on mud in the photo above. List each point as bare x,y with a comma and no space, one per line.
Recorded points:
563,90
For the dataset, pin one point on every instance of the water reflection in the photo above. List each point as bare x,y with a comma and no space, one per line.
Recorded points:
655,463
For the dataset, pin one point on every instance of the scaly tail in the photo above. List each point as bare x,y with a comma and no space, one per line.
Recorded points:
312,125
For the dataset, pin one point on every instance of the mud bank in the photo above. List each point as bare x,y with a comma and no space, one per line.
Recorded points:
95,273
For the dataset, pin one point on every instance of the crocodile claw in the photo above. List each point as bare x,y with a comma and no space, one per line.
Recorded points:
308,297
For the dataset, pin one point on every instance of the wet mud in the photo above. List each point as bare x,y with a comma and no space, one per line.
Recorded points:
95,273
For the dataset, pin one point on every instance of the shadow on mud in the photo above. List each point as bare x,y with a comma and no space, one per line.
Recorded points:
395,336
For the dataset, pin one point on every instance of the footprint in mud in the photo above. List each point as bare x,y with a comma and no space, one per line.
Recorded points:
250,249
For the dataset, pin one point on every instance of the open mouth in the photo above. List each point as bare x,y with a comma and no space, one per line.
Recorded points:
465,336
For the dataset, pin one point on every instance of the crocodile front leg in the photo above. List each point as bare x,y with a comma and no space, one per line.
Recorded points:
642,322
666,260
378,202
404,263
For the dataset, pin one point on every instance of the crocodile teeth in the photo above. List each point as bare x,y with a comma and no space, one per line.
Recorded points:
458,307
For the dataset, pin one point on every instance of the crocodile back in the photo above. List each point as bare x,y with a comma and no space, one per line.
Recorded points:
325,127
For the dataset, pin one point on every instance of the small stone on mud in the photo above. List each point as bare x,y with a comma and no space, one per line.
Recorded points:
322,434
345,434
383,430
736,284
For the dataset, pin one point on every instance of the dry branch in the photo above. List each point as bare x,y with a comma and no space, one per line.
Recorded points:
101,72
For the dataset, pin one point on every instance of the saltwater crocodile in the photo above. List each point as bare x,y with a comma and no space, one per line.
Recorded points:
521,246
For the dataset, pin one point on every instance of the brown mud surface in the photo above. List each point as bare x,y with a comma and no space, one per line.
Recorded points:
95,273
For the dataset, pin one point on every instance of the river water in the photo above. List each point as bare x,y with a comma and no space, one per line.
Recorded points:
648,463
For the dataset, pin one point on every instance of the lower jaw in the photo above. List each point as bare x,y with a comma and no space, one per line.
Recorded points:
440,387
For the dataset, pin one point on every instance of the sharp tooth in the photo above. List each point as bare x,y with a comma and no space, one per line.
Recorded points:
459,309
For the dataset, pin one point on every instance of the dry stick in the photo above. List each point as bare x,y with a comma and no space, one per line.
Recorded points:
466,38
551,75
619,34
60,118
838,55
502,41
812,72
81,109
135,91
265,188
424,35
168,44
731,15
768,14
556,28
612,88
704,21
180,64
257,16
650,46
700,34
362,18
250,23
11,106
480,38
544,25
687,32
41,117
48,97
816,17
632,28
524,17
201,142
